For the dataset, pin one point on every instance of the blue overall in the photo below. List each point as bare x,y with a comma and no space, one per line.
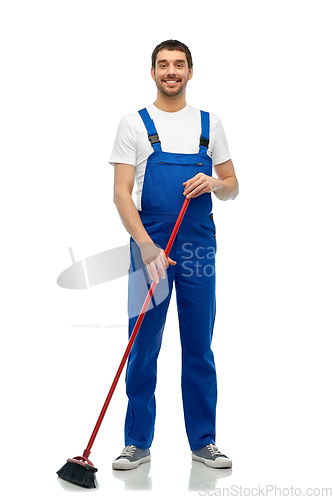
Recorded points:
194,277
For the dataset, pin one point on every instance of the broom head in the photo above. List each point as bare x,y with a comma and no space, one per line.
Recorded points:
79,471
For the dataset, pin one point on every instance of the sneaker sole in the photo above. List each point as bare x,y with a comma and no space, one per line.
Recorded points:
225,464
124,464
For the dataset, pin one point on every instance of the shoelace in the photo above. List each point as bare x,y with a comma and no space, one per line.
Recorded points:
214,450
128,451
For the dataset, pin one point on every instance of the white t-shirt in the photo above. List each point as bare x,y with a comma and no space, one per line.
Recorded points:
179,132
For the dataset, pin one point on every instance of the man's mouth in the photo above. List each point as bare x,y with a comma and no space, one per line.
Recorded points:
171,82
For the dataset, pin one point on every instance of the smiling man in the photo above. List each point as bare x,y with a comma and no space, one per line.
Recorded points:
170,149
171,75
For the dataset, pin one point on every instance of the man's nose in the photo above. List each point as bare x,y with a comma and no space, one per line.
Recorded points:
172,69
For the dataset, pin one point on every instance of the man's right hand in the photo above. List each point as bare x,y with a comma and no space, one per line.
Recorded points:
155,260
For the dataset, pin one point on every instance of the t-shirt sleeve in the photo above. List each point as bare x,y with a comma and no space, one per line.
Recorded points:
124,145
219,145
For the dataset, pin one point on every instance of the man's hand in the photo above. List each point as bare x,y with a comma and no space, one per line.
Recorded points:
155,260
199,184
224,188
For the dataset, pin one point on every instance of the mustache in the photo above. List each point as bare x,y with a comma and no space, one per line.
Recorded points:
171,77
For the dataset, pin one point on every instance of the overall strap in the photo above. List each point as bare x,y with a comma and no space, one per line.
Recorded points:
204,138
151,130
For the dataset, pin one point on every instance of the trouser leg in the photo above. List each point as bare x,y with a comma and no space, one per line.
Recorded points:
196,302
142,364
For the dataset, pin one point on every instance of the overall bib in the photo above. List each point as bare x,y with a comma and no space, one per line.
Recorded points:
194,277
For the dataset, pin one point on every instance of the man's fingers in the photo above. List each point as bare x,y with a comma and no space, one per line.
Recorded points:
158,265
153,272
191,185
168,261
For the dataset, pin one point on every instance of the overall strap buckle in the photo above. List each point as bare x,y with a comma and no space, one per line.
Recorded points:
154,139
204,138
204,142
151,130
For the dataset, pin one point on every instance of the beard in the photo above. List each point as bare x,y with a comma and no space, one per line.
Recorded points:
170,91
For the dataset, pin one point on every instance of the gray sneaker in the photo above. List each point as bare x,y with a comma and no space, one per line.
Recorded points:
212,457
130,458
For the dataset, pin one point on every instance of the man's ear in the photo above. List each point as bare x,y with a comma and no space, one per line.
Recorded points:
190,73
153,73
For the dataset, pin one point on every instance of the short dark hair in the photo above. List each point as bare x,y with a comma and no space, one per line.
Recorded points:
172,45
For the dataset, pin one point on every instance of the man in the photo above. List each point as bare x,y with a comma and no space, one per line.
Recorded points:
169,149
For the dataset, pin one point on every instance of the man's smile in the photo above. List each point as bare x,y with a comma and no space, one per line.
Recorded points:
171,82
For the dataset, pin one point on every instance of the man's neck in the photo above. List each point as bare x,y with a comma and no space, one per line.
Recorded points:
170,105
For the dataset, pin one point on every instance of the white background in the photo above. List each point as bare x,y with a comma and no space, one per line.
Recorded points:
70,70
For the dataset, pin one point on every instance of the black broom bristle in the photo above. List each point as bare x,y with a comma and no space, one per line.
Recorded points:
81,475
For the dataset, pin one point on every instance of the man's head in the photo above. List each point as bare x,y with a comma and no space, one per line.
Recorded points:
172,45
172,67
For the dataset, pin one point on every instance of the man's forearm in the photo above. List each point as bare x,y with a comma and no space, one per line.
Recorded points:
226,189
130,218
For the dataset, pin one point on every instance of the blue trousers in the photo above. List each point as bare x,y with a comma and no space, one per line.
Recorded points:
194,280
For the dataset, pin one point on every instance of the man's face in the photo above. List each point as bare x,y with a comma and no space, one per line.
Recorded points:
171,72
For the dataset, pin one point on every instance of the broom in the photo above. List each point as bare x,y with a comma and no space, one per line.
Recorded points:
80,470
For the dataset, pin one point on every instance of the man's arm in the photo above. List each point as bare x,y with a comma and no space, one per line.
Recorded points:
152,256
225,187
122,198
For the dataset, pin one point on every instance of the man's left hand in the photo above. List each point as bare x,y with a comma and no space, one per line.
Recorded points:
200,184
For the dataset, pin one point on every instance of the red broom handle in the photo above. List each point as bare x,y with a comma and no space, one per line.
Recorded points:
87,451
